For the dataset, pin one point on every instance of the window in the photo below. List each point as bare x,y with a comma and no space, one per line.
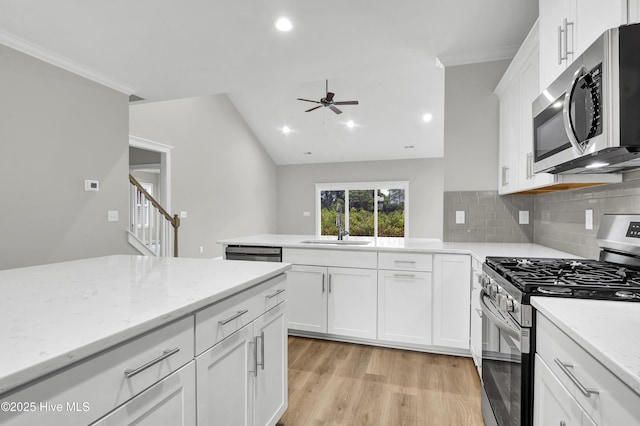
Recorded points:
375,209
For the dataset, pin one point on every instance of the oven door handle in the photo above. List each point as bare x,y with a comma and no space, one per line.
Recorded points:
500,322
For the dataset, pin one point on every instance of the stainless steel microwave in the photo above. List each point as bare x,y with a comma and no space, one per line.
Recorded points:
588,120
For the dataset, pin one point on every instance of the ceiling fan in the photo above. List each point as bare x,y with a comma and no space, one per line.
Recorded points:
328,101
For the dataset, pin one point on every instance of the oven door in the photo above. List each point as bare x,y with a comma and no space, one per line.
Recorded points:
501,365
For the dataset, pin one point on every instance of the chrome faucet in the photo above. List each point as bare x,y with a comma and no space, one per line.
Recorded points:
341,232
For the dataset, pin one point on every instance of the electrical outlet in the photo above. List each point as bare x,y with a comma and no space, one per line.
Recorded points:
523,217
306,214
183,214
201,249
459,217
588,219
112,216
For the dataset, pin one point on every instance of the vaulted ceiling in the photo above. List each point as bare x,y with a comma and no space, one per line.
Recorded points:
381,53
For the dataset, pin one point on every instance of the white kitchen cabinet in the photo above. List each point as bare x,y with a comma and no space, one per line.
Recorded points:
508,144
404,306
243,379
451,300
352,302
552,402
604,398
307,295
169,402
475,343
568,27
271,385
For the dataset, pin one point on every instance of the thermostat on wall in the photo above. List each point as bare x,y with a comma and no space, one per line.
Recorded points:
91,185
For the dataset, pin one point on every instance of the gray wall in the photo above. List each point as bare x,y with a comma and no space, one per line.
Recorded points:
471,113
489,217
56,130
296,191
221,175
560,216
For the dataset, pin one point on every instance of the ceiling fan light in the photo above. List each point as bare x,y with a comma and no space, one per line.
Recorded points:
283,24
351,124
286,130
427,117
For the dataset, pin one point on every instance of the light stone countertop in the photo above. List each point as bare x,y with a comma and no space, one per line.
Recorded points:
607,329
424,245
54,315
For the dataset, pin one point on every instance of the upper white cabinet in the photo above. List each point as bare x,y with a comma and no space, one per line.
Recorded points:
451,299
568,27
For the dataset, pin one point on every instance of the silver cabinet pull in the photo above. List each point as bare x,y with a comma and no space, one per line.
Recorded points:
262,349
129,373
404,275
323,282
559,44
412,262
271,296
329,283
255,356
565,366
232,317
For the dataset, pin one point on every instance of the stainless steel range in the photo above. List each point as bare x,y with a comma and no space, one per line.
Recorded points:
508,324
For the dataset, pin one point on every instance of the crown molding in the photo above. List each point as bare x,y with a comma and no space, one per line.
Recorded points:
476,57
45,55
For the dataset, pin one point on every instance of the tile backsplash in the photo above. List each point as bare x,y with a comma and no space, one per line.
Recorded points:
489,217
557,219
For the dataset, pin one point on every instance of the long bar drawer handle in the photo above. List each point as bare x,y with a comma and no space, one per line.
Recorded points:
565,366
270,296
129,373
232,317
413,262
404,275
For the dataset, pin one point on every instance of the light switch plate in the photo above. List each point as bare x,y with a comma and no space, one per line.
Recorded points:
588,219
459,217
112,216
183,214
523,217
306,214
91,185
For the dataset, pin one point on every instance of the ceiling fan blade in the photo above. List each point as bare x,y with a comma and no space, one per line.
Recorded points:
311,109
308,100
346,103
334,109
330,96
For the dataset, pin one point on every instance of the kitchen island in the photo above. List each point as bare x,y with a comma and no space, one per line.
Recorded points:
66,325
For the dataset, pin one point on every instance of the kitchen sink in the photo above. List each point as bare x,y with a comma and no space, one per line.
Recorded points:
338,242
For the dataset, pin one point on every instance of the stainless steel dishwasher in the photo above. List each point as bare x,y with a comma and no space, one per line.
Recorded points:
255,253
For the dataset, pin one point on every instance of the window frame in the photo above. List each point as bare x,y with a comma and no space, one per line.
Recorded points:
375,186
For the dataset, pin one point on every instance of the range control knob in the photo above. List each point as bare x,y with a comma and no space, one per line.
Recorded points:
493,290
505,303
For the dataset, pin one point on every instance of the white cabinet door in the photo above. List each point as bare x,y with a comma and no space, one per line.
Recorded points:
404,306
451,300
553,13
169,402
353,302
225,381
270,392
307,295
475,344
593,17
508,137
552,402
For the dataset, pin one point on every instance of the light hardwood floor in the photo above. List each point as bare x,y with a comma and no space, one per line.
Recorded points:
334,383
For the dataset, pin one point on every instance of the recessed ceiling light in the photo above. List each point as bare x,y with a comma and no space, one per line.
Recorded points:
351,124
286,130
427,117
283,24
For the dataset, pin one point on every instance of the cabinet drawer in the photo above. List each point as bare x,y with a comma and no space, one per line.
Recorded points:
104,382
224,318
331,257
613,404
405,261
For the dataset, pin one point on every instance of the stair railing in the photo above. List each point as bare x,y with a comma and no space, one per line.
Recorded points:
150,223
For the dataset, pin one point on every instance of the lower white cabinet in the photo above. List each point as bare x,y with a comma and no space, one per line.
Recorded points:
451,299
243,379
404,306
307,295
340,301
552,402
475,338
169,402
352,302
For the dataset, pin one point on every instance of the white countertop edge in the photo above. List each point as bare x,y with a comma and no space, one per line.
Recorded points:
21,378
615,352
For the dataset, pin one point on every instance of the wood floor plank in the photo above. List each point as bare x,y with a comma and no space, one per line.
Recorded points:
343,384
